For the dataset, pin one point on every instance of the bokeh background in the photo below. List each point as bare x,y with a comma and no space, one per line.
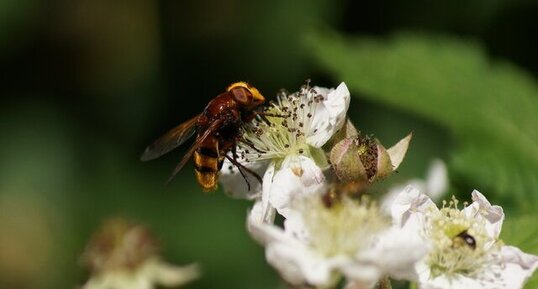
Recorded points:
87,84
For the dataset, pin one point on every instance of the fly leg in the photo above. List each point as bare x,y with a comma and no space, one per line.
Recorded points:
242,169
264,114
240,165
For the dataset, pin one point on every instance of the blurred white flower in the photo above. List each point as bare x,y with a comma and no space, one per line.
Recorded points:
322,243
286,145
434,185
123,255
150,274
464,247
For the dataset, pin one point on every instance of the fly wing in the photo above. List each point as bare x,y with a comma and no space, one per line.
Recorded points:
213,127
170,140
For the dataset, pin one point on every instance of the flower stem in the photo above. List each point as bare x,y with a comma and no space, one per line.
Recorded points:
413,285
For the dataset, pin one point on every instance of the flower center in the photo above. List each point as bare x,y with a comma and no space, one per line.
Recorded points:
460,244
342,229
284,128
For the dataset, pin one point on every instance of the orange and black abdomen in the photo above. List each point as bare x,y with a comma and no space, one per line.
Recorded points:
209,156
207,163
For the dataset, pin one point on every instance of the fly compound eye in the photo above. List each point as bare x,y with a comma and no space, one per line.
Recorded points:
242,96
254,97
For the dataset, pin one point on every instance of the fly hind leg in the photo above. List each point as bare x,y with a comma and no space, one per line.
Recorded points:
242,169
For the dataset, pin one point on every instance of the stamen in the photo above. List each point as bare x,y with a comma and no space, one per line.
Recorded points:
343,228
461,244
280,131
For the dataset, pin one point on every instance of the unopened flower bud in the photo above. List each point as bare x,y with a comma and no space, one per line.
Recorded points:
364,159
346,160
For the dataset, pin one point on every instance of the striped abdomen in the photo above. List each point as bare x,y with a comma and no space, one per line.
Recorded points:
207,163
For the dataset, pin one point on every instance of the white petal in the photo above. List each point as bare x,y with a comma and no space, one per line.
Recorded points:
255,215
289,255
519,266
364,274
329,115
267,210
337,102
409,207
435,185
457,282
436,180
397,152
298,176
264,232
234,183
169,275
387,252
295,226
297,265
120,279
388,199
320,129
493,215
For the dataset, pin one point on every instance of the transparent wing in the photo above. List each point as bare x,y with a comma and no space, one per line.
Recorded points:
170,140
213,127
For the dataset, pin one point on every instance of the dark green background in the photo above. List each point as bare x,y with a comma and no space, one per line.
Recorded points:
86,85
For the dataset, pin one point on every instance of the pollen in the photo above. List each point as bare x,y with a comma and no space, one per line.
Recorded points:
298,171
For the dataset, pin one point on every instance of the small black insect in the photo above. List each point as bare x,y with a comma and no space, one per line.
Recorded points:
466,239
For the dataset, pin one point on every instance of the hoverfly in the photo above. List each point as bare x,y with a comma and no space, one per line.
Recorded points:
217,128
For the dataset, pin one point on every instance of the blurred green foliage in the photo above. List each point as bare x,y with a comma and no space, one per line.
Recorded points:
87,84
491,109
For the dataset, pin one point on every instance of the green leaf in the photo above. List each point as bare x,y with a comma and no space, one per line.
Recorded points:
521,231
491,108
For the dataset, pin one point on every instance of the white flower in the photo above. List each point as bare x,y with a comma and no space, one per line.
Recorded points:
151,274
465,250
320,244
434,185
123,255
287,145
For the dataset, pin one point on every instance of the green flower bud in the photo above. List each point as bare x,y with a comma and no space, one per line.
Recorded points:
345,159
364,159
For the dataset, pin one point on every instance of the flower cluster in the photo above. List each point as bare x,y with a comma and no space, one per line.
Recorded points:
317,169
315,215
